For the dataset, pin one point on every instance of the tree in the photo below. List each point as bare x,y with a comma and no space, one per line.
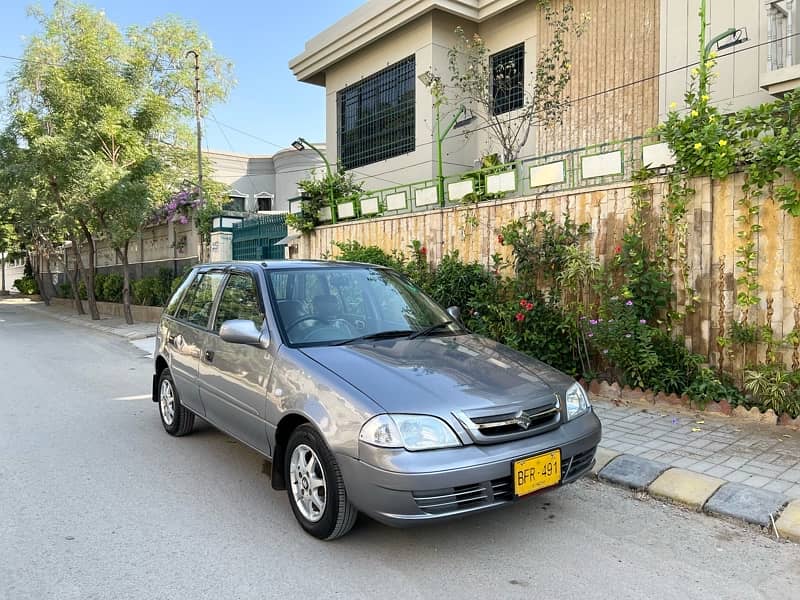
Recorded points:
482,86
104,116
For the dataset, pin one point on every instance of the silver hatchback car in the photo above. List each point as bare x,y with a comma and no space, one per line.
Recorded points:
365,394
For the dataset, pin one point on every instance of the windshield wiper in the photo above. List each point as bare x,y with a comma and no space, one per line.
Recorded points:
429,329
380,335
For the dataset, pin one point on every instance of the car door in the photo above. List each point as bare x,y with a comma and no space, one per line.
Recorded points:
233,377
186,336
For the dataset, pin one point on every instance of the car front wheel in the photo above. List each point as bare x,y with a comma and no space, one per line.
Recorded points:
176,419
315,486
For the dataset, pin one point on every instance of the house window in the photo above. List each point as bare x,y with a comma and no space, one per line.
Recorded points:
508,79
376,116
235,203
264,203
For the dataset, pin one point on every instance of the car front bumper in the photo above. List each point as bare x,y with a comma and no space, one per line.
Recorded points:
402,488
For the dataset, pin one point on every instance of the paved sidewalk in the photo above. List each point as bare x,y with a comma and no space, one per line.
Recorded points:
736,450
724,466
113,325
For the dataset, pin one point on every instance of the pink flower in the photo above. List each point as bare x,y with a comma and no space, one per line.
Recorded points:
519,317
529,306
523,303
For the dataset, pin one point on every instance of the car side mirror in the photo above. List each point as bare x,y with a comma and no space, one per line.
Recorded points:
244,331
455,312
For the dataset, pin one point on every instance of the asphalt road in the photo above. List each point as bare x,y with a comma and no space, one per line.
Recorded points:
96,501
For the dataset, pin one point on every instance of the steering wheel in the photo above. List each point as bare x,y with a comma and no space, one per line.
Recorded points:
302,320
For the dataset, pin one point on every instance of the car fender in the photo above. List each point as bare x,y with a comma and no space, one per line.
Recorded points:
300,386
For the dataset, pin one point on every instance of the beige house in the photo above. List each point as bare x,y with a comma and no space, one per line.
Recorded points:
386,45
630,65
263,183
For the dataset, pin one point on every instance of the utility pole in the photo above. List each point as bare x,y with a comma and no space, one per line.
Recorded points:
197,105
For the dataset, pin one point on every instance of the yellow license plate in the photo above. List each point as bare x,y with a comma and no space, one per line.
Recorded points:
537,472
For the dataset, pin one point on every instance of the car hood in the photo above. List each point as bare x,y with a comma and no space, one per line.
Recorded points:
438,374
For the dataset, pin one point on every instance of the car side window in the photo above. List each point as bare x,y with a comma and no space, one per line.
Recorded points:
239,300
173,303
199,298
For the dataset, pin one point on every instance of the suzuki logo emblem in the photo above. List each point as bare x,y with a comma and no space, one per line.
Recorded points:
521,419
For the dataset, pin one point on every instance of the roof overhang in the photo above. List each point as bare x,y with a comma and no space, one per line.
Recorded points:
375,19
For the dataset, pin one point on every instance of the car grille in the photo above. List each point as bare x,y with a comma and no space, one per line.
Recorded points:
511,422
447,500
577,464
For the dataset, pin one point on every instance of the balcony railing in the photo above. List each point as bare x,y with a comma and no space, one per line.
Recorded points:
781,25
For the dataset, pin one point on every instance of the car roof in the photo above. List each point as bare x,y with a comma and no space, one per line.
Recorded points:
276,265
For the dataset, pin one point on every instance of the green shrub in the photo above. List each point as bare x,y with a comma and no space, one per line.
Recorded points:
112,288
355,252
27,285
707,387
65,290
153,291
456,283
772,386
99,282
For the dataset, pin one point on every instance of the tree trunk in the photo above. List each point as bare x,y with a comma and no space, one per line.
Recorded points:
47,279
3,268
122,254
88,273
87,281
73,281
37,275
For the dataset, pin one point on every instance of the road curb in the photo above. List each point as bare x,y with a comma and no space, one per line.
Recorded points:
788,524
713,496
129,335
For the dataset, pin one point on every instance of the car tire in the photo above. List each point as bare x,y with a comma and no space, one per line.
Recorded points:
176,419
309,463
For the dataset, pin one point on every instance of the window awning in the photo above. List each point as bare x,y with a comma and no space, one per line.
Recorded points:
288,240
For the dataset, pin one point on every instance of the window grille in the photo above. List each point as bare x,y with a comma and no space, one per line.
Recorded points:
376,116
508,79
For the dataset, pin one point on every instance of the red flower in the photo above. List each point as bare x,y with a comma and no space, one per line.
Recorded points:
500,239
523,303
617,249
423,251
520,317
529,306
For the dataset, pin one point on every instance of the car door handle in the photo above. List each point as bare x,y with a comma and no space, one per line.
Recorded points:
209,355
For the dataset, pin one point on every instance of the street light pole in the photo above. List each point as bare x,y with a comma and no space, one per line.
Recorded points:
305,142
434,83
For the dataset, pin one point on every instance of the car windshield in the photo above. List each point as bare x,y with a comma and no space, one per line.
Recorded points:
344,305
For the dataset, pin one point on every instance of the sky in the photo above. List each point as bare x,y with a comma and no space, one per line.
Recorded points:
268,105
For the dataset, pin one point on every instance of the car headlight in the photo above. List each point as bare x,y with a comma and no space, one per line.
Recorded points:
412,432
577,401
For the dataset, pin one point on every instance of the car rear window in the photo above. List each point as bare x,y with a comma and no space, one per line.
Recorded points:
196,306
173,303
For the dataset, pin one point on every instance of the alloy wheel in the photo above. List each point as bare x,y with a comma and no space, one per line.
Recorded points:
308,483
166,398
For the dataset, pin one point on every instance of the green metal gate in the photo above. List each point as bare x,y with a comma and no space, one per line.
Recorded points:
254,239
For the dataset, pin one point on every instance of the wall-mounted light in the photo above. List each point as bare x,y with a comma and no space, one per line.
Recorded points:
427,78
298,145
738,36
